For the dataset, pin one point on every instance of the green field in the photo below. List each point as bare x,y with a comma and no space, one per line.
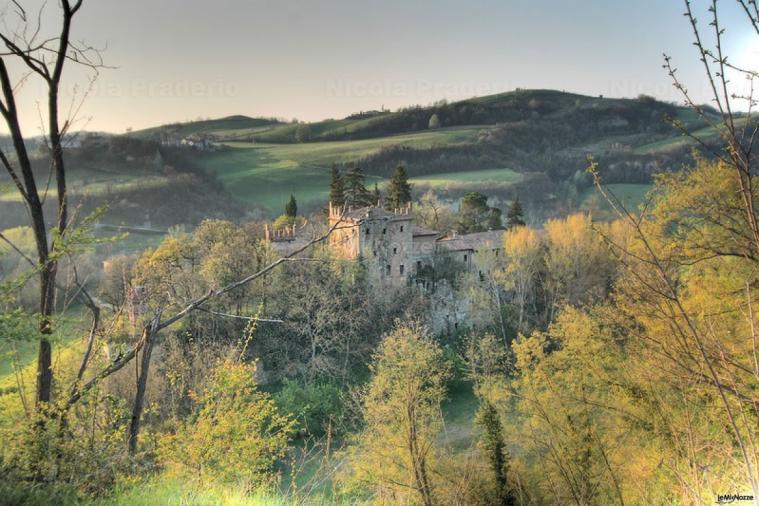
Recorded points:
468,180
264,175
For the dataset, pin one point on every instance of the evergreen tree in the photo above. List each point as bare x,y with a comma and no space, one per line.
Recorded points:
515,217
475,215
377,194
356,194
399,190
337,188
494,447
291,208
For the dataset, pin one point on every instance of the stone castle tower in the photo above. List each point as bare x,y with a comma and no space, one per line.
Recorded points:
385,239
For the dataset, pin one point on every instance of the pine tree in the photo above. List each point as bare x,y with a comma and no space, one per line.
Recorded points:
377,194
475,215
291,208
356,194
399,189
337,188
514,218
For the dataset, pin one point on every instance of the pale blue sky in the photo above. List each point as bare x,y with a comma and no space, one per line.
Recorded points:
183,59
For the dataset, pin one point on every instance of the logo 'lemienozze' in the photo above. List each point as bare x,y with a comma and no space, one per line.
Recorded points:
731,498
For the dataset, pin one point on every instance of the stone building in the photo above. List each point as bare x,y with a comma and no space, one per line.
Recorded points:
395,246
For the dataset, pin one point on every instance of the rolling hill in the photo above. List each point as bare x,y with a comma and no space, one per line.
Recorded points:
534,143
544,136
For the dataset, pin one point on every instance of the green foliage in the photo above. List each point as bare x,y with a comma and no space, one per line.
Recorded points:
395,452
336,188
515,216
236,436
356,194
316,407
44,460
494,448
475,215
291,208
399,189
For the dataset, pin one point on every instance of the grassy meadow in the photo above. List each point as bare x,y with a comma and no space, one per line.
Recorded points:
263,175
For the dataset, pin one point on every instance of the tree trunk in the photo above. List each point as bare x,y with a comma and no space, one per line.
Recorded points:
142,382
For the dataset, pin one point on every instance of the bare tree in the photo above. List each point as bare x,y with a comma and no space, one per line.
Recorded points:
45,58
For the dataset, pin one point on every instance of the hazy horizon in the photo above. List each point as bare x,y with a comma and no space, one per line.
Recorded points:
182,60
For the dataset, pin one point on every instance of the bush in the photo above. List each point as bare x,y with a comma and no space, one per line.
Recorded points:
236,436
316,407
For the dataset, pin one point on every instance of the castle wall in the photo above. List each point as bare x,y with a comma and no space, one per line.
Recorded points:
382,238
389,244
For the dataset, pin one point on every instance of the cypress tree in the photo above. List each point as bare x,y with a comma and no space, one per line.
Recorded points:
377,194
399,189
494,447
291,208
514,218
356,194
337,188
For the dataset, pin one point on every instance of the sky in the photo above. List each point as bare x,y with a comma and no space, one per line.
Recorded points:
178,60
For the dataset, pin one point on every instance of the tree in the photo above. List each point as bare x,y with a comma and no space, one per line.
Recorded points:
434,122
336,188
44,60
401,406
377,194
576,425
514,217
399,189
494,447
524,256
303,133
431,213
475,215
579,267
356,194
291,208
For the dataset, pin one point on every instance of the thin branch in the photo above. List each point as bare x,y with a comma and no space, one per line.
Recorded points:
240,317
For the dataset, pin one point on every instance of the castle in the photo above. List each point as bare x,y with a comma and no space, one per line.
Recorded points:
396,246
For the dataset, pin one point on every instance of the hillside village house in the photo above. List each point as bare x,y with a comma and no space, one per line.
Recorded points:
391,242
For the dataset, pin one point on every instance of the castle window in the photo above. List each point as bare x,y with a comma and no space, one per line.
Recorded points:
395,250
367,231
465,257
418,265
384,231
374,253
401,228
387,270
402,269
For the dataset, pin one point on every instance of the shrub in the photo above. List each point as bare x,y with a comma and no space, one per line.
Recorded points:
236,436
316,407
